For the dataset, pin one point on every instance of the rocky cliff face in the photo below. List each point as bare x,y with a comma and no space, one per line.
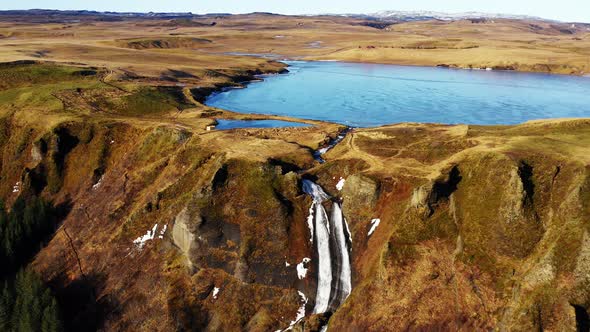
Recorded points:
174,228
490,237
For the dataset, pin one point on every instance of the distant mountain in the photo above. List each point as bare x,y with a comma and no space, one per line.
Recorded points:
383,16
49,12
395,15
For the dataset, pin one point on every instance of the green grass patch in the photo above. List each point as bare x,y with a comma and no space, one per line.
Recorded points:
170,42
23,74
153,100
42,95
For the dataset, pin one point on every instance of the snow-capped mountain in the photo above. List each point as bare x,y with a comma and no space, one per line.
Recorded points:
396,15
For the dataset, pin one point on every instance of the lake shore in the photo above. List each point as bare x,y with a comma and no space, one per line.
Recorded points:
368,95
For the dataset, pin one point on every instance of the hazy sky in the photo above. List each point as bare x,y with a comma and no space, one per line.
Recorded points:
566,10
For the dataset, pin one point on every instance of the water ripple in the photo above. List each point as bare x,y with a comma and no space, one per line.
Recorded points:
372,95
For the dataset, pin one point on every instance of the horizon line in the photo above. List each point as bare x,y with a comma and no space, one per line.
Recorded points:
519,16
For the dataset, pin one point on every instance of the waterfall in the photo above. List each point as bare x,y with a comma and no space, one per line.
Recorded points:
316,192
334,273
342,282
322,298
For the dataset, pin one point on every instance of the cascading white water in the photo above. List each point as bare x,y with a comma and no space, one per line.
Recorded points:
322,299
316,192
322,235
333,253
342,285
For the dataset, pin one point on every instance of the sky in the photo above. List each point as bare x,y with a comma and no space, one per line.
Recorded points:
564,10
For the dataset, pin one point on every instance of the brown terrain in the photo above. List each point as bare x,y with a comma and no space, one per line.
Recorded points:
482,227
145,46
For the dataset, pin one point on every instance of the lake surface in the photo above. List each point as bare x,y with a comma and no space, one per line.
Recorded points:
362,95
233,124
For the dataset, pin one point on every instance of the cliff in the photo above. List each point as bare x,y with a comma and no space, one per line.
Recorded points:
172,227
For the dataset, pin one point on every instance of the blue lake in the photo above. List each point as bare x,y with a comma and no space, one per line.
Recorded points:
363,95
233,124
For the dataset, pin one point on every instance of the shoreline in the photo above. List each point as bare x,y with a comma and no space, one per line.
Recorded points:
312,58
304,58
441,66
260,78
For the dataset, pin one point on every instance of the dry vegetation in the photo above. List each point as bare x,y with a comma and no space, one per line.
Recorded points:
147,47
482,227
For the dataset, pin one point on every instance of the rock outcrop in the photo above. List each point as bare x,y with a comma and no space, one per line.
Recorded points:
209,233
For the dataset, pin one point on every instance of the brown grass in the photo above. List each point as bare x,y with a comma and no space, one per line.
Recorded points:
150,47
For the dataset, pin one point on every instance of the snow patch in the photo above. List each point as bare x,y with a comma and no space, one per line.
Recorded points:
301,269
348,233
340,184
287,264
310,222
97,184
374,224
419,15
140,241
16,187
162,232
149,236
300,311
215,292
